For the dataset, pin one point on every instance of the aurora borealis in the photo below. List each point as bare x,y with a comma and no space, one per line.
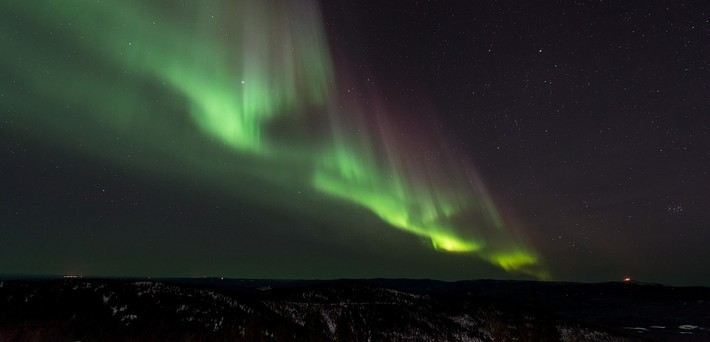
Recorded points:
269,62
262,107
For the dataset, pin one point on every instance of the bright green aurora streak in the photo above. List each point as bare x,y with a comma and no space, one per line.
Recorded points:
256,77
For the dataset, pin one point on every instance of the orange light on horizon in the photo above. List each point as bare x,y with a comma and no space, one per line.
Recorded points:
627,279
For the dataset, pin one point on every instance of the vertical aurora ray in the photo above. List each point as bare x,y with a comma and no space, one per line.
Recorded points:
239,68
239,64
351,169
436,197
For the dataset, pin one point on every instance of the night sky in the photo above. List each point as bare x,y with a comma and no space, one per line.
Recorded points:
565,140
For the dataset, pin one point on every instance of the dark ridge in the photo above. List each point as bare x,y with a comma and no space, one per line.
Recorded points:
101,309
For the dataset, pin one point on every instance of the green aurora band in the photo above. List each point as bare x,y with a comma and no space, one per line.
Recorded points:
256,78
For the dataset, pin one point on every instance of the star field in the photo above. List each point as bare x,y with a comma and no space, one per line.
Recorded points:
451,140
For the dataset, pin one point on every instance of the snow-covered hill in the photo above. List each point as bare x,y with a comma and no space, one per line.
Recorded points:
384,310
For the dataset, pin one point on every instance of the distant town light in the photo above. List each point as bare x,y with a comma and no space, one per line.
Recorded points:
627,279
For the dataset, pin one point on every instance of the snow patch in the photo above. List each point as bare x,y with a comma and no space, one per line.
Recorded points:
465,321
129,318
329,321
636,328
117,309
217,324
577,333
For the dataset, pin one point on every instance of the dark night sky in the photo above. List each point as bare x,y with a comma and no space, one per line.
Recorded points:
586,123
